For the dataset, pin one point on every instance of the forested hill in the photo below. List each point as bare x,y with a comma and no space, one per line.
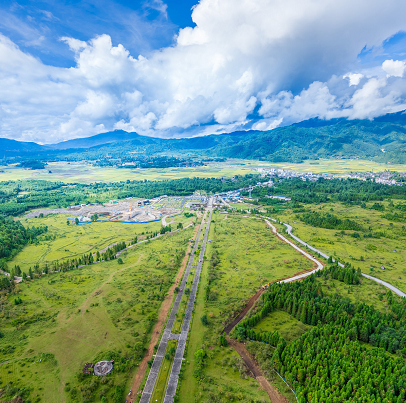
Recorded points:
383,139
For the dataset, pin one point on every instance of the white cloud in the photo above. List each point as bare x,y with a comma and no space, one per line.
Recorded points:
279,59
354,78
395,68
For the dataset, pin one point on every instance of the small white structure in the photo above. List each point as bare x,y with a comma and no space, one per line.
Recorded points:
103,368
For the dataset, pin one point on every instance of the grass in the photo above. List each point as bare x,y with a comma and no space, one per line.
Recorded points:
177,327
69,241
85,315
164,372
367,253
287,326
245,206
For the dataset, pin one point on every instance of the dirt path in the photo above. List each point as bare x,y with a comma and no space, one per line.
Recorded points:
241,315
166,306
273,394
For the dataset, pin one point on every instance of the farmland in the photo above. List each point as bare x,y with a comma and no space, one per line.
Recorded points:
83,172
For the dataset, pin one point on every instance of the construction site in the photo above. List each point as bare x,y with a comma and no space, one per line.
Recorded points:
128,211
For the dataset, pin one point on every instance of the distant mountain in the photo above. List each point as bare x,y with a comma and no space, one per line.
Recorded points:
383,139
99,139
19,146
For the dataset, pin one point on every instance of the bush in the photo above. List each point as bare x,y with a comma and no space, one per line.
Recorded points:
204,320
119,260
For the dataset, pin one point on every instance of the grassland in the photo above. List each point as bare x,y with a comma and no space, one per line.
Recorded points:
386,248
340,167
64,241
287,326
102,311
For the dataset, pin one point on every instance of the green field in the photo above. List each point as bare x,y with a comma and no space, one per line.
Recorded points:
102,311
240,206
64,241
287,326
83,172
340,167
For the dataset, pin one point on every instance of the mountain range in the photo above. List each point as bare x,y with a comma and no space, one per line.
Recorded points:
383,139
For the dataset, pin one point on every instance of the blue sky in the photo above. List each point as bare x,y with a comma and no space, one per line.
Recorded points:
141,26
76,68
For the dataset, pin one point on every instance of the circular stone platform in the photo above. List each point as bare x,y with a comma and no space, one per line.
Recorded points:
103,368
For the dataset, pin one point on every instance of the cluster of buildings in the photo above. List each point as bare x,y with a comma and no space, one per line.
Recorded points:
286,174
385,178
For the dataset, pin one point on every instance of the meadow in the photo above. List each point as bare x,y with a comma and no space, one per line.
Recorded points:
102,311
380,250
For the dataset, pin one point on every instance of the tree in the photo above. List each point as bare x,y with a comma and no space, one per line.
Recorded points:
76,221
94,217
199,355
119,260
67,222
223,341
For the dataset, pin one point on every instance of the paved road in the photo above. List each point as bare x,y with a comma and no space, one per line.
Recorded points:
167,335
384,283
310,257
180,351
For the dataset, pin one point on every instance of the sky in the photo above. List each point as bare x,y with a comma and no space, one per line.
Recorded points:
183,68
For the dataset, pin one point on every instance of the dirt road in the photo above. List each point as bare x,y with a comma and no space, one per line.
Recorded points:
273,394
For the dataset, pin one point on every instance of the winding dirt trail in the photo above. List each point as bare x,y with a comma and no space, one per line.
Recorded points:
163,313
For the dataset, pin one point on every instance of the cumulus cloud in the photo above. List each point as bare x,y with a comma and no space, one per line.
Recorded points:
354,78
280,60
394,68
